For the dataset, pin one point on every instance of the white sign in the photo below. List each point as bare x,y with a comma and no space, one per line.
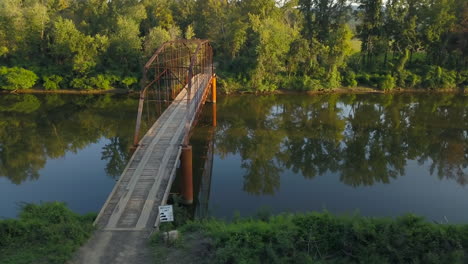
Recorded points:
165,213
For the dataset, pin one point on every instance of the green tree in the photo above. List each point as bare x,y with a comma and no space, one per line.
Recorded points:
156,37
189,33
12,26
273,46
16,78
370,29
441,21
124,53
74,49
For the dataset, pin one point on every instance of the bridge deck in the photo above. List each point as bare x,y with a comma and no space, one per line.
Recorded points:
131,211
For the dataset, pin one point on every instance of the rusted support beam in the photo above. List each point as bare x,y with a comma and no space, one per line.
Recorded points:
136,137
140,108
187,175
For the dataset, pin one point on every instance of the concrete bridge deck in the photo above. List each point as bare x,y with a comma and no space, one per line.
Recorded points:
131,211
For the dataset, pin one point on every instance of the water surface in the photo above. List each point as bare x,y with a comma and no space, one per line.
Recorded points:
379,155
68,148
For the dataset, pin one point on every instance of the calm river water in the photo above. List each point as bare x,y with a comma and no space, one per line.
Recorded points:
67,148
379,155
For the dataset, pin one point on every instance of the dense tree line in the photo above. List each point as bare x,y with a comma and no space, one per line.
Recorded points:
261,45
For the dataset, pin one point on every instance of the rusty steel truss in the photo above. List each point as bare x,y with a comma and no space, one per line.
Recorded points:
176,65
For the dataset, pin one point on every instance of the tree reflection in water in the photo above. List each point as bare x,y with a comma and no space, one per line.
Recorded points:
366,139
34,129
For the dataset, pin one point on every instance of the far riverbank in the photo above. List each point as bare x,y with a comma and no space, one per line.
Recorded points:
341,90
67,91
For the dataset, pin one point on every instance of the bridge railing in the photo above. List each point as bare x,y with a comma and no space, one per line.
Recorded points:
176,65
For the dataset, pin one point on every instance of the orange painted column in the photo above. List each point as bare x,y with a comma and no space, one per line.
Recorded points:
187,174
213,89
214,115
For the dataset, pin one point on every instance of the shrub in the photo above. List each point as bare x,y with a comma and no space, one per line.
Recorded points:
349,79
129,81
103,81
81,83
374,80
364,79
439,78
47,233
462,78
401,77
292,83
412,80
387,83
264,86
16,78
302,83
229,85
52,82
310,84
334,79
324,238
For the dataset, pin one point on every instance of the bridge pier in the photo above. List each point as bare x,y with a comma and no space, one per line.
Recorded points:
213,89
214,115
187,174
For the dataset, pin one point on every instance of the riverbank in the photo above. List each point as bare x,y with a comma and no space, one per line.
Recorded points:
46,233
51,233
364,90
341,90
316,238
347,90
67,91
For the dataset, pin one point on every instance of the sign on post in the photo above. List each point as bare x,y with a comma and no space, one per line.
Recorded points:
165,213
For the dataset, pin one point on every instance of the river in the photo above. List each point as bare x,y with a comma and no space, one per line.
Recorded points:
372,154
375,154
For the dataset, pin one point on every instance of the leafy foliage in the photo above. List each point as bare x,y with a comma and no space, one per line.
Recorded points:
16,78
52,82
260,45
438,78
46,233
325,238
387,83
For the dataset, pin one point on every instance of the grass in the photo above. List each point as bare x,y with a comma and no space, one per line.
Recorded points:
323,238
46,233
